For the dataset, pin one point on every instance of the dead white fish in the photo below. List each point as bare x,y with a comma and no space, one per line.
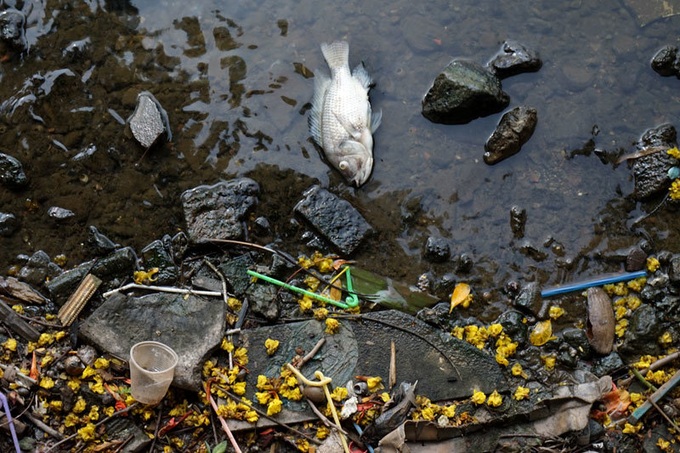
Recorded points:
600,321
341,121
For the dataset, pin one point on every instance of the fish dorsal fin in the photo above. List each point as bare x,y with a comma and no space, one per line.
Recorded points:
376,119
361,75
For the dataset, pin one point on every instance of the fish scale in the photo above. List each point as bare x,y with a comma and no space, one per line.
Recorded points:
341,121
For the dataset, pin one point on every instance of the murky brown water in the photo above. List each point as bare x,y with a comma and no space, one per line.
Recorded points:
233,78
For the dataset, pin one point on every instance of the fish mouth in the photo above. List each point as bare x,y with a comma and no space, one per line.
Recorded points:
363,173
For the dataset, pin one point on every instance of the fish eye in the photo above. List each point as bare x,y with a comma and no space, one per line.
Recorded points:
343,165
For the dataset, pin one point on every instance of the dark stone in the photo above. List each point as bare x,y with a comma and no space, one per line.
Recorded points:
38,268
64,284
156,255
217,211
664,62
607,365
59,214
464,263
149,122
173,319
99,242
674,270
514,130
12,173
437,249
12,29
234,271
518,220
636,259
514,58
462,92
643,330
513,325
651,171
9,224
529,299
333,218
118,264
577,339
262,300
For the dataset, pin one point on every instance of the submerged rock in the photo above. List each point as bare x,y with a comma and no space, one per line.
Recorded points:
12,172
12,29
217,211
149,122
665,62
514,130
514,58
9,224
437,249
462,92
333,218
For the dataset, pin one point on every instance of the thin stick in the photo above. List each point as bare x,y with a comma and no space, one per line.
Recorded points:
323,418
155,433
52,432
164,289
393,365
310,355
668,419
225,427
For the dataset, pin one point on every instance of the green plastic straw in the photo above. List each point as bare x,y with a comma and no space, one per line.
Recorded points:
351,301
599,281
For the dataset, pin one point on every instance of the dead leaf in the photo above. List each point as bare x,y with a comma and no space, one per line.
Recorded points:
460,293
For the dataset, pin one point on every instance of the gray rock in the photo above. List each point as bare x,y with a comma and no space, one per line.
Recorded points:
462,92
333,218
99,242
157,255
514,130
437,249
38,268
12,172
64,284
9,224
149,122
120,263
665,61
529,299
514,58
518,221
12,29
674,270
59,214
607,365
643,330
262,300
217,211
173,319
651,171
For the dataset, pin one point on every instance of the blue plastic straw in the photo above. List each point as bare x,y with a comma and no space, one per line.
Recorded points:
10,422
599,281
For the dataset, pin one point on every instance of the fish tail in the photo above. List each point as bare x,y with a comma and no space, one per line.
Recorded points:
336,54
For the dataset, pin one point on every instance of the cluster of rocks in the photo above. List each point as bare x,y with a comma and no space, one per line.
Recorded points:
466,90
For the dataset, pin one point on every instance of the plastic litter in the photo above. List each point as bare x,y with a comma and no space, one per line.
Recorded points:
598,281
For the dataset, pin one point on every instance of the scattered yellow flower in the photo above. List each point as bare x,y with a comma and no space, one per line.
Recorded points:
339,394
271,346
652,263
620,328
674,152
666,339
332,326
141,277
234,304
10,344
87,432
674,190
555,312
495,330
632,429
46,382
274,407
305,304
549,362
79,406
322,432
321,313
637,284
45,339
494,400
374,384
241,356
663,444
521,393
478,397
101,363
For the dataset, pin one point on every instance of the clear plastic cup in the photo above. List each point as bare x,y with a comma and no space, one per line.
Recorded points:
152,368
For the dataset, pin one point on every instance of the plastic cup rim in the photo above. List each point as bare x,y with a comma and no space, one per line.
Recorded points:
154,343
